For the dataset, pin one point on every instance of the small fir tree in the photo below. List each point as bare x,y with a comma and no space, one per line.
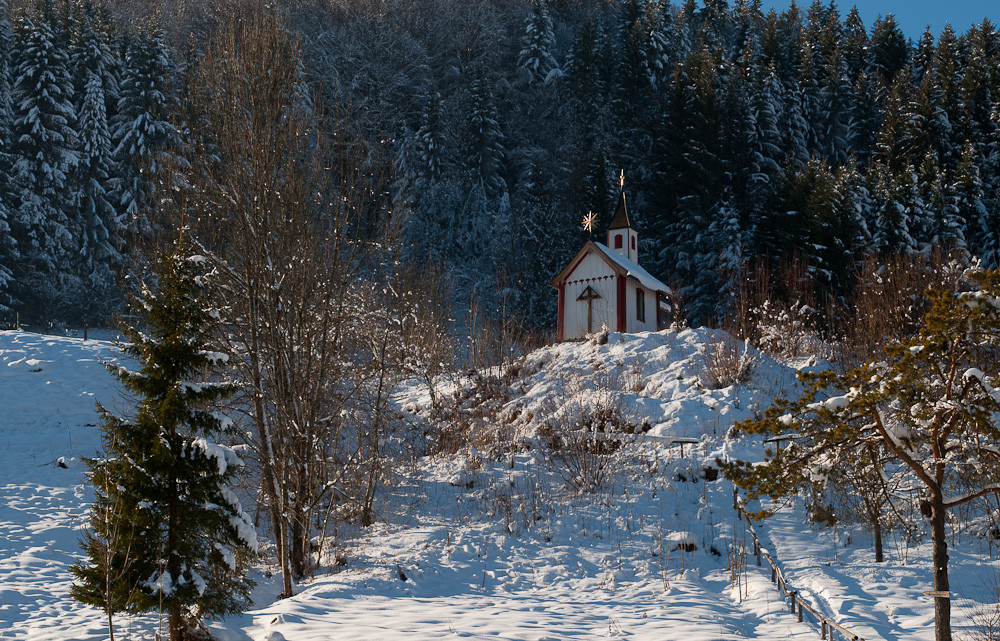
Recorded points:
166,530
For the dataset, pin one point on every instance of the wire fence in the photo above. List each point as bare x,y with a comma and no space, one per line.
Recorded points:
796,604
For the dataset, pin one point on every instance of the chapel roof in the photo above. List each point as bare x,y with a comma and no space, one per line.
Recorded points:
620,221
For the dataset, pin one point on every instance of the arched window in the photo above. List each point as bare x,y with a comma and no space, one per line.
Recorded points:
618,241
633,242
640,305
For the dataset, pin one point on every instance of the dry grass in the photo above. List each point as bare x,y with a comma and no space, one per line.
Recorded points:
727,361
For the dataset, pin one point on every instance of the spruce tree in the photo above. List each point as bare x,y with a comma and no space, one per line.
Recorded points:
483,141
889,50
429,146
44,147
9,254
97,243
141,133
536,57
166,530
980,226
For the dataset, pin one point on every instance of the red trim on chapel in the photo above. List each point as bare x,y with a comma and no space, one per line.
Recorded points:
621,304
561,312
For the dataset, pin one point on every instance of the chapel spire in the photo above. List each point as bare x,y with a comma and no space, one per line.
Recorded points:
622,237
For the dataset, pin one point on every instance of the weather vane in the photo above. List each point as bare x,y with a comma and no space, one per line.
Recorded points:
588,222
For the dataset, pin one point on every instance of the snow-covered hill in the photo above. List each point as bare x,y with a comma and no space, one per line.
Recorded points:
491,542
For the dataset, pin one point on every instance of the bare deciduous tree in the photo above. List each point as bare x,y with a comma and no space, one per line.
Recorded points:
288,202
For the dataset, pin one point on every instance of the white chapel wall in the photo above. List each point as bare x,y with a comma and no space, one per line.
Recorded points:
632,322
596,273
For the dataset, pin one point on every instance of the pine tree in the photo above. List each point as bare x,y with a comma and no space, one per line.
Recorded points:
45,156
932,394
166,529
141,133
483,141
536,57
98,255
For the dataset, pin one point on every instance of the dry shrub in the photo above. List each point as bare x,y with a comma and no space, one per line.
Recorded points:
472,416
775,307
888,302
727,361
786,329
497,336
584,431
985,613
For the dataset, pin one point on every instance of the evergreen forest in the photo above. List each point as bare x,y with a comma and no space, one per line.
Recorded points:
749,141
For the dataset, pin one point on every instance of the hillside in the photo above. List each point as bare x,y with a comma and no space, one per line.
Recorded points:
490,540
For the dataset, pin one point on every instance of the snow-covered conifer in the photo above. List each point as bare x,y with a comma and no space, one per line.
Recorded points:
141,133
484,151
44,143
167,529
981,234
97,254
891,214
429,144
537,58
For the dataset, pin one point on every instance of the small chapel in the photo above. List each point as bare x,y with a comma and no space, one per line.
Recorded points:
604,285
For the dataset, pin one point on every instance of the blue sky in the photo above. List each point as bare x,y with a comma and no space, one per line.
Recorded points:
914,15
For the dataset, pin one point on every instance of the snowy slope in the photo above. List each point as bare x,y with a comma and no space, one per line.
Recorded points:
470,547
48,389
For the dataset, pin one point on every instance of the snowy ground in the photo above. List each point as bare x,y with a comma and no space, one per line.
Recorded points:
493,549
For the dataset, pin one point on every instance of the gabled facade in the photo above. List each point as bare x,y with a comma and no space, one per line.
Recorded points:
604,285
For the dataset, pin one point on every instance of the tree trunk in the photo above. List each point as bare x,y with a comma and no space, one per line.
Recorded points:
175,623
267,466
877,535
285,559
300,551
942,604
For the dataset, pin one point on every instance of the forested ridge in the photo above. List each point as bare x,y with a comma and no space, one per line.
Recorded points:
746,138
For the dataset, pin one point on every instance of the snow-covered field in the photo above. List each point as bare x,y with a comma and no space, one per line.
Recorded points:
470,547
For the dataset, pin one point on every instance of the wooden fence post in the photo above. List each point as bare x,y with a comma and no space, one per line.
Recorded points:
774,575
823,630
800,611
791,602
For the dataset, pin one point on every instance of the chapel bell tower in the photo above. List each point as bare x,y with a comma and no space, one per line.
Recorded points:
621,237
